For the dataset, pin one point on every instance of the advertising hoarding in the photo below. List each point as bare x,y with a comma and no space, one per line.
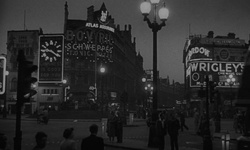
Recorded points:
216,70
198,53
51,56
89,42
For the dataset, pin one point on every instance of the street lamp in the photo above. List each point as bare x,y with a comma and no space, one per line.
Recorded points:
231,81
163,15
102,70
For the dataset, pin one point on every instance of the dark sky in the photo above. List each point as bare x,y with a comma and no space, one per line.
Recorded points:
220,16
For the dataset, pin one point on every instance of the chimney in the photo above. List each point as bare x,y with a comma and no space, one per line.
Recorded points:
210,34
90,13
231,35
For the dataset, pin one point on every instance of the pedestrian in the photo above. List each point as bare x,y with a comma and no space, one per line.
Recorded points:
68,143
240,121
217,119
196,121
119,127
92,142
111,126
173,127
235,125
41,141
161,130
183,120
212,127
3,142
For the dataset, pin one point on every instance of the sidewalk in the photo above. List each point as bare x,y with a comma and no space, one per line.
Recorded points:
141,144
136,144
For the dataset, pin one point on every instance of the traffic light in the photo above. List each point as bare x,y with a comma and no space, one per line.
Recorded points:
213,91
2,74
26,83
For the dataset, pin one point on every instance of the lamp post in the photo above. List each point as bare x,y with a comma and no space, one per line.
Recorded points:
207,141
102,70
163,15
230,81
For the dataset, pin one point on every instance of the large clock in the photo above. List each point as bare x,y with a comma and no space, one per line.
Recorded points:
51,50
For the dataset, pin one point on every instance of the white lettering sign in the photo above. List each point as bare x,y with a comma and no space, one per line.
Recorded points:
197,50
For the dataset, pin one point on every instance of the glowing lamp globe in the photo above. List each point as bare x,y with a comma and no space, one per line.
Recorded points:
102,69
145,8
163,13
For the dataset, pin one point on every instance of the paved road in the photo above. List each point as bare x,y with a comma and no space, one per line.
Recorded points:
137,133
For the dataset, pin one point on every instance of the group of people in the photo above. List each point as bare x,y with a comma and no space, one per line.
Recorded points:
168,123
89,143
115,126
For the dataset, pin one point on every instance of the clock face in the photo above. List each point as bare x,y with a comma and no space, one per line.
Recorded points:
51,50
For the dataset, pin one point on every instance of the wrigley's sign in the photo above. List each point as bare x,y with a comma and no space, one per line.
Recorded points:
217,70
229,67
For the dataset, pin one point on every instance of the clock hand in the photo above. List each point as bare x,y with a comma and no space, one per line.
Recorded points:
54,53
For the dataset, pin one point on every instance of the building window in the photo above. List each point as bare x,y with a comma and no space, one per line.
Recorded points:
50,92
13,86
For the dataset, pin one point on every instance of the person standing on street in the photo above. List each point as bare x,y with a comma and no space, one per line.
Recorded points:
92,142
161,130
173,127
3,142
41,141
68,143
119,127
182,120
111,126
196,121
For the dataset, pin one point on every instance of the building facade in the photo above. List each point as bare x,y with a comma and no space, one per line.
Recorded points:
218,57
87,45
26,40
94,43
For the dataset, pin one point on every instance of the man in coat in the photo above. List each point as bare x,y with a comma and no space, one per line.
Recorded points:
92,142
173,131
161,130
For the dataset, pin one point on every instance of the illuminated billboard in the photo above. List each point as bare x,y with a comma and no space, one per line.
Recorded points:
216,70
198,53
90,42
51,50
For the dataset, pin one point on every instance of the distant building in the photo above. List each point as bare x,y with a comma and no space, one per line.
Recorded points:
216,57
168,92
26,40
87,45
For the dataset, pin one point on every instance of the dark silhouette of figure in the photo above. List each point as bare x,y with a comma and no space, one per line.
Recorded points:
161,130
182,120
3,142
111,126
92,142
41,141
68,143
217,119
119,127
173,126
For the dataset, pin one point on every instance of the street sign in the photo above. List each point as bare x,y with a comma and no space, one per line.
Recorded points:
2,74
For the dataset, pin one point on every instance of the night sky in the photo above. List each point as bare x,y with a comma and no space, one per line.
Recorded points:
186,17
